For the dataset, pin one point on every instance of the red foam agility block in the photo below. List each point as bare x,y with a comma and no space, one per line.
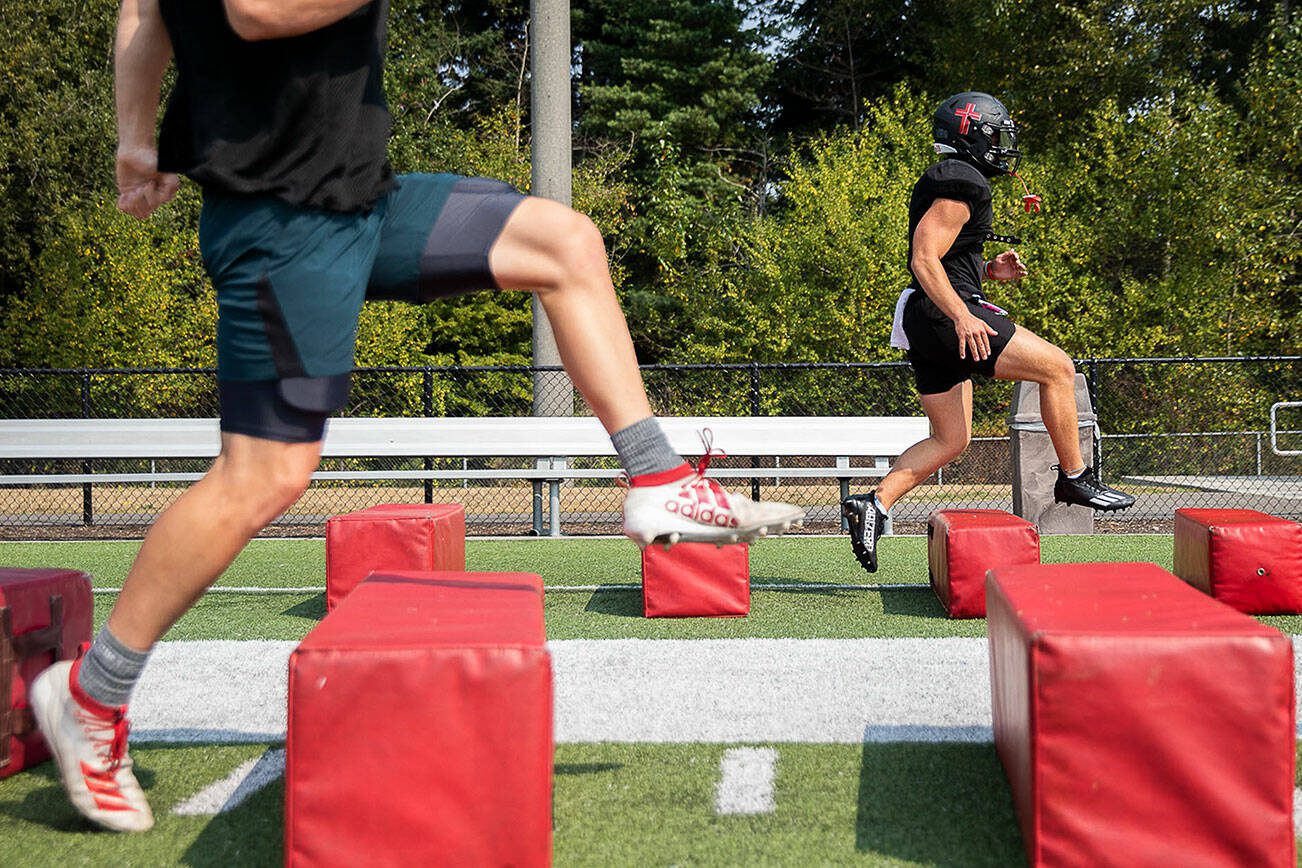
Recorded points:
1244,558
420,726
1139,721
403,536
963,544
44,616
696,580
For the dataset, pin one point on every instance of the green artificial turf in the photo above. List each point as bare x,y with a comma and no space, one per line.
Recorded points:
615,804
642,804
873,804
38,827
812,613
290,563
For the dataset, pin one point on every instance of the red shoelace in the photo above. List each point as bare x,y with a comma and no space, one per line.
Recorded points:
108,735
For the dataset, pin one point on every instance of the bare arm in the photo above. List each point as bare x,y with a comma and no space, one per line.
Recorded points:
931,240
142,51
276,19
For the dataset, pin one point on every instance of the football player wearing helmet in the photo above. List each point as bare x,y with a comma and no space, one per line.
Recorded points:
951,331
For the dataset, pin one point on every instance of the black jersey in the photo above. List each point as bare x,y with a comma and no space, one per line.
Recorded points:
302,119
955,179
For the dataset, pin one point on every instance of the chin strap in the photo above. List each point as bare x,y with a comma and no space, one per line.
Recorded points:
1030,201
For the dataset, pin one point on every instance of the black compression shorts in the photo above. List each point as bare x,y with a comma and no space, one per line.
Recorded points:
933,343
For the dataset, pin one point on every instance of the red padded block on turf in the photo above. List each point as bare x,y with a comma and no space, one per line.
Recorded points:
1244,558
1139,721
962,544
44,616
405,536
696,580
420,726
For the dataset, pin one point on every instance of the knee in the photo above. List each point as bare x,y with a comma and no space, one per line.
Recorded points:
1061,369
285,486
576,249
261,490
953,445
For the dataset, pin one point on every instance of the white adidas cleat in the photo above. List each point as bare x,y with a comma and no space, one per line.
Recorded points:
89,743
684,505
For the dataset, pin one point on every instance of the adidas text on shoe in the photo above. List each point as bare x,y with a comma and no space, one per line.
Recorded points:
867,523
1086,490
89,743
683,505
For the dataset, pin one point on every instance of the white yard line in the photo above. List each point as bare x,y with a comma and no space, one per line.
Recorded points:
231,791
746,781
728,691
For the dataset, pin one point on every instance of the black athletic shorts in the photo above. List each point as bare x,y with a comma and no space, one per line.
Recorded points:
291,281
933,344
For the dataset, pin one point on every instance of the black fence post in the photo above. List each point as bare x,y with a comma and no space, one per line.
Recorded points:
1092,378
87,501
427,407
754,411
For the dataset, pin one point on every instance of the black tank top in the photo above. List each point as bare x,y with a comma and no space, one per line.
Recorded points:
302,119
955,179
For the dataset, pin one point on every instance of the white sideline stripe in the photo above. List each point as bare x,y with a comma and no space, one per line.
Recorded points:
231,791
771,690
1297,812
213,690
629,690
746,781
724,691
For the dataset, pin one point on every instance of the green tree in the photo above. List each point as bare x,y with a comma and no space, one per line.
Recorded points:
1054,62
1271,93
57,116
683,71
836,56
816,280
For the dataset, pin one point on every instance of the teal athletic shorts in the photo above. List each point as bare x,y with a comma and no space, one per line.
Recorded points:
291,281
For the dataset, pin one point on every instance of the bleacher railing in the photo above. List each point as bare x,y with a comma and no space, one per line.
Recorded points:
1176,431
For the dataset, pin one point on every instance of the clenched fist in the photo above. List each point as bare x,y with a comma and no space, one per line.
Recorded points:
141,187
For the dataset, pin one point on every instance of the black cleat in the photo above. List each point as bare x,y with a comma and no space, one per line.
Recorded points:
867,523
1086,490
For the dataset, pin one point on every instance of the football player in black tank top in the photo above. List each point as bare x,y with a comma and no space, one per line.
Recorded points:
952,332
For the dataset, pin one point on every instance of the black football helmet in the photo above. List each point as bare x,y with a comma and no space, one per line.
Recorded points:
977,128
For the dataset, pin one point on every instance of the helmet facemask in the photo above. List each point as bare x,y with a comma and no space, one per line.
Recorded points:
1001,154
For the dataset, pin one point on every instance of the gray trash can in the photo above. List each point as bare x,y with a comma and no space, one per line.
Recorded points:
1033,458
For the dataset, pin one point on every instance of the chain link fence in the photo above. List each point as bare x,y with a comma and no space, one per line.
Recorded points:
1176,432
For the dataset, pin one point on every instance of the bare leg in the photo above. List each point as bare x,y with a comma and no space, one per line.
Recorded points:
558,253
950,414
196,538
1030,357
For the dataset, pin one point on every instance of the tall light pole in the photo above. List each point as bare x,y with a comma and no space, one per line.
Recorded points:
549,86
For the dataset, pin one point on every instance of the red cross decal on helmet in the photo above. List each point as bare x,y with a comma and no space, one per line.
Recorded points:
967,113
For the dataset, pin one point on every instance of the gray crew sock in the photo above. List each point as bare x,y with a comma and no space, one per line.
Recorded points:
110,669
643,448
